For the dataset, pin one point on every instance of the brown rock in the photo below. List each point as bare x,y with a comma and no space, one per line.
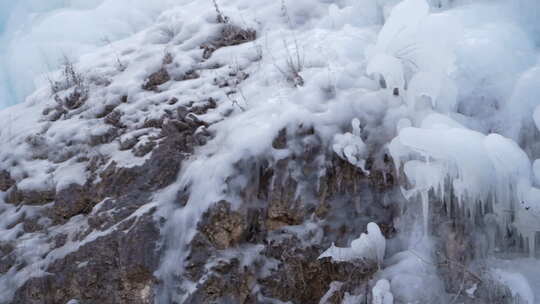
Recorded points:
222,226
73,200
156,79
230,35
116,268
5,180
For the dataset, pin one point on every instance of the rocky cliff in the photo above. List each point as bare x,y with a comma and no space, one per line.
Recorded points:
222,159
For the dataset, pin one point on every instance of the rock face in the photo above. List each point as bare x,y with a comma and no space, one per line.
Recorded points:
117,245
117,264
222,227
239,255
263,248
252,254
117,268
88,195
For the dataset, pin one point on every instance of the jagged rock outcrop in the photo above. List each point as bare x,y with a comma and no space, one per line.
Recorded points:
255,252
118,241
116,268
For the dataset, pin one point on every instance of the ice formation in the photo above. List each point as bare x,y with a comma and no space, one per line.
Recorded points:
381,293
440,159
369,246
351,147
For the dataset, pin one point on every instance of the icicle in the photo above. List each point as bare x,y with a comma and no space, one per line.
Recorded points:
532,243
425,211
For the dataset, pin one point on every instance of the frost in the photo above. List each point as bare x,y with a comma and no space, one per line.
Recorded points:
369,246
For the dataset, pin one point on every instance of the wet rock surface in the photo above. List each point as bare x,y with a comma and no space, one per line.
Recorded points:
239,255
267,247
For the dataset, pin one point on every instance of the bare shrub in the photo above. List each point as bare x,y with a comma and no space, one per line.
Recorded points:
235,94
70,79
295,61
221,18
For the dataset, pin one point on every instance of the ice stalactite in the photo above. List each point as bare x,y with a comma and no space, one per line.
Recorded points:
440,156
424,177
481,168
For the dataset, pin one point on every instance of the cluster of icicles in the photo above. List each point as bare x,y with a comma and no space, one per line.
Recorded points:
485,176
